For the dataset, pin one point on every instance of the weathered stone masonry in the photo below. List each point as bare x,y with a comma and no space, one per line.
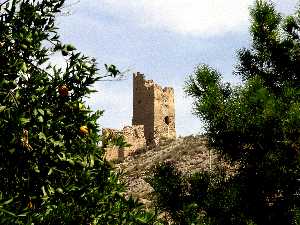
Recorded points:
153,117
153,107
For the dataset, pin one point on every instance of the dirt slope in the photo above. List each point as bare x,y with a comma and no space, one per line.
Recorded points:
190,154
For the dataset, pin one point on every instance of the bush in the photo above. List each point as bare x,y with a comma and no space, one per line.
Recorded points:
182,197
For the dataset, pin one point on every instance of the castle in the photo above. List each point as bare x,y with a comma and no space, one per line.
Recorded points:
153,118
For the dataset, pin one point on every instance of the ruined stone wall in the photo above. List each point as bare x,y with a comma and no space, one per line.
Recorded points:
153,107
133,135
114,153
111,152
164,113
143,105
153,117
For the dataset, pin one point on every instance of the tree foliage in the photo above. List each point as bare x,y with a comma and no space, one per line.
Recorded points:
257,124
188,198
52,169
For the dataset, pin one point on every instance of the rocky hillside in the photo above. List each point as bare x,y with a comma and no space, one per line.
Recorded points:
190,154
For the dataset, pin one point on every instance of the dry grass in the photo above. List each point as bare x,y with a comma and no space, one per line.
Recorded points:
190,154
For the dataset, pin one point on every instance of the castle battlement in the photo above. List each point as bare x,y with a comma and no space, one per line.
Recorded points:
153,115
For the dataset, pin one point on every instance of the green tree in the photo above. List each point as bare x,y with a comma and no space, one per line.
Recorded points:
180,196
169,189
52,169
257,124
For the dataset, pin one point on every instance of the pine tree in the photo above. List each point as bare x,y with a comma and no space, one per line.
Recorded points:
52,169
257,124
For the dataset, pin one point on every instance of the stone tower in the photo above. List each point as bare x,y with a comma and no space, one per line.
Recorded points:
153,107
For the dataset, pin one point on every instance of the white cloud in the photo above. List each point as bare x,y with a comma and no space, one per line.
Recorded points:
198,17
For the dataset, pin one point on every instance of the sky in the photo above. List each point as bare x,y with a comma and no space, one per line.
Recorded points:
163,39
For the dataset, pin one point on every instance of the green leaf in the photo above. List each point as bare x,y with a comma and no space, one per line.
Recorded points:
60,190
42,136
92,160
70,47
44,191
36,168
8,201
50,171
64,52
40,119
39,89
8,212
2,108
24,120
12,150
29,39
23,46
24,67
35,112
48,111
41,112
71,161
51,189
58,143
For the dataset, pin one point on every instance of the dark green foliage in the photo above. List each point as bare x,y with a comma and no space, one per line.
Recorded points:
168,182
257,124
199,185
203,198
180,196
52,170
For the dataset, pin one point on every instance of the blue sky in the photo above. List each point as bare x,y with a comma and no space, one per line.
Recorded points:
165,40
